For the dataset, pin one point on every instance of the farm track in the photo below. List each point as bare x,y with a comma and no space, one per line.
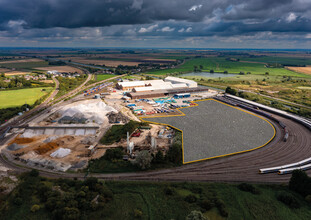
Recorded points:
237,168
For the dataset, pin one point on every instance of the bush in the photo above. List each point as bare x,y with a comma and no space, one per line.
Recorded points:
169,191
138,213
18,201
35,208
114,154
191,198
300,183
159,157
143,159
34,173
206,204
118,132
231,91
221,207
288,200
196,215
308,198
174,154
248,188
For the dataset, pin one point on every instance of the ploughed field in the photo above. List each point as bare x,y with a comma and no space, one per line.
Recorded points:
214,129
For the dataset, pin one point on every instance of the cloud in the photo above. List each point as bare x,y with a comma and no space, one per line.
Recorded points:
167,29
137,4
148,29
97,21
291,17
195,7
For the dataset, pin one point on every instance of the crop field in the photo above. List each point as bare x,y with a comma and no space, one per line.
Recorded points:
25,65
101,77
3,70
14,98
21,61
15,73
214,129
281,60
69,69
305,70
220,64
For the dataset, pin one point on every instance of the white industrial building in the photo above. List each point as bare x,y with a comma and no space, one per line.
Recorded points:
155,85
130,85
175,80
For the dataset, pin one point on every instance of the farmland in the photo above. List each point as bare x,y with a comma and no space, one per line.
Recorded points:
221,64
305,70
25,65
14,98
68,69
101,77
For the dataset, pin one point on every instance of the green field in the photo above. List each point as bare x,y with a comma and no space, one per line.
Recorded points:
13,98
281,60
103,77
70,199
220,64
26,65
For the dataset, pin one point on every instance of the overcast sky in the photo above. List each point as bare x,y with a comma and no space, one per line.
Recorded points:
156,23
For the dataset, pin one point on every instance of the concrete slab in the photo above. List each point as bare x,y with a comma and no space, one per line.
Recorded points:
213,129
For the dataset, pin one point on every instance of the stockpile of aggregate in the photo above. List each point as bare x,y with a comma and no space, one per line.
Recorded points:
95,111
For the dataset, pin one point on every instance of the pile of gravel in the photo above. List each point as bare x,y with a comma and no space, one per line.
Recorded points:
14,147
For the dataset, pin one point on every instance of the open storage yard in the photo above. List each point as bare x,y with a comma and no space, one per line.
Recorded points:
213,129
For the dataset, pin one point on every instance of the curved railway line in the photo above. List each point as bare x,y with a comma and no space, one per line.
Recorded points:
236,168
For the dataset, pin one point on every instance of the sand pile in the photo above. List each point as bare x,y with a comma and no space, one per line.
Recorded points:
22,140
94,111
61,152
42,149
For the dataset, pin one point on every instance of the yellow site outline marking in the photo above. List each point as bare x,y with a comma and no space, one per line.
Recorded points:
182,135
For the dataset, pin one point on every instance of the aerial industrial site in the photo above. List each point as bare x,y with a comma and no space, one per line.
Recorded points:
137,109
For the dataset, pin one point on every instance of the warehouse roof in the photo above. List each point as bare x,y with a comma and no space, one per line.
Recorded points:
180,80
131,84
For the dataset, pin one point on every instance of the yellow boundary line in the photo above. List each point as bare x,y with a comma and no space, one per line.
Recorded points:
182,135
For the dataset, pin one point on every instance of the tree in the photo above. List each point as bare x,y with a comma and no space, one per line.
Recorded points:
71,213
159,157
267,73
300,183
225,72
196,215
174,153
143,159
211,71
201,67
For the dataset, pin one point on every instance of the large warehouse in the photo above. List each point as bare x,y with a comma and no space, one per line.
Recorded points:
158,88
175,80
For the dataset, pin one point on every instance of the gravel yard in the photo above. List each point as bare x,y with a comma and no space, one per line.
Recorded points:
214,129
